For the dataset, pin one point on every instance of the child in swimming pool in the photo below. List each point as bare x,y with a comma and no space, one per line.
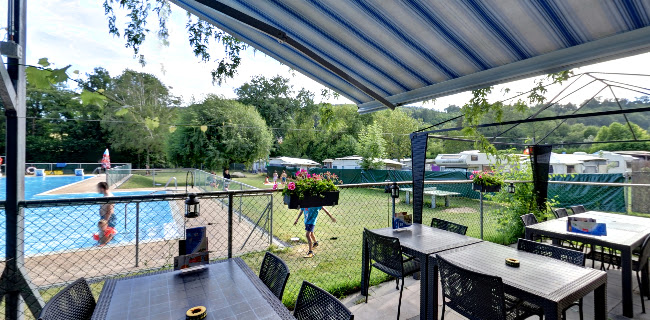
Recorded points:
105,234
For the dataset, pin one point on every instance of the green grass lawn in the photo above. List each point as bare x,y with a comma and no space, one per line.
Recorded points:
140,180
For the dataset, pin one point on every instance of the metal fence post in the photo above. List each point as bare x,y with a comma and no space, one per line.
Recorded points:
241,187
271,220
230,205
153,177
481,199
137,233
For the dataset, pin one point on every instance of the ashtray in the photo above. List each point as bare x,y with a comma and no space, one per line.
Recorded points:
512,262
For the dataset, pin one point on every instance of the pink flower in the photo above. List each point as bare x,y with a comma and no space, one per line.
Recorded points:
291,186
308,175
275,186
480,177
471,177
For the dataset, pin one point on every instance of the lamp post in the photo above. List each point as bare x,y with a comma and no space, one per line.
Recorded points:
192,206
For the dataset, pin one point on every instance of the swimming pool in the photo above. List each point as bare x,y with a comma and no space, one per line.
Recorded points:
65,228
36,185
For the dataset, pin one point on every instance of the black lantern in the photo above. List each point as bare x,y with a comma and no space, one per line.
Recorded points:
192,206
511,188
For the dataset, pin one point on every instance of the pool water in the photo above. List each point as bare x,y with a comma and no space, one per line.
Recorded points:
65,228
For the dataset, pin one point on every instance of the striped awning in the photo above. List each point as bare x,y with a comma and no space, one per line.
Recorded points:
412,50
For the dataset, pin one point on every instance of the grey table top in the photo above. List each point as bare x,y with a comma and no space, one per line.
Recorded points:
622,230
427,240
228,289
544,277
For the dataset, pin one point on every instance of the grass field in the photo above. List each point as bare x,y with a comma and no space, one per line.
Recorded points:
140,180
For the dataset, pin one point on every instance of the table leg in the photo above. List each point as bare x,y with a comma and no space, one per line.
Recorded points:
447,201
364,267
626,266
428,309
600,302
433,202
644,280
408,197
552,312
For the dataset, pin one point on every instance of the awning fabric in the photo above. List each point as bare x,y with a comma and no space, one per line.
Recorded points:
413,50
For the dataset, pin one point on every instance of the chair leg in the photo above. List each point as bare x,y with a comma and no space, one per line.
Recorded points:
368,283
638,279
399,305
443,310
396,283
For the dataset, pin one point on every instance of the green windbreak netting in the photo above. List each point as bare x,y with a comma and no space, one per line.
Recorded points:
602,198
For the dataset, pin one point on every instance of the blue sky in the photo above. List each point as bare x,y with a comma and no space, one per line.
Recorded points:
76,33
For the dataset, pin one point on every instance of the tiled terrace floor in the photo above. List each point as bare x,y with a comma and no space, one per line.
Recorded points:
382,303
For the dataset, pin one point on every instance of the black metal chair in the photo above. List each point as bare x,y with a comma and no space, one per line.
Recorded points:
479,296
314,303
560,213
529,220
386,252
448,226
75,302
638,265
562,254
274,273
578,209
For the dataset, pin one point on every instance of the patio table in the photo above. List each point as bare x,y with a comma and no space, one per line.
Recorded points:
228,288
433,192
421,241
549,283
624,233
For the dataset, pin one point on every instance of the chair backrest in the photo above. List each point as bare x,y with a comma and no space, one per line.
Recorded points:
386,251
472,294
645,252
562,254
274,273
560,213
448,226
75,302
578,209
314,303
529,219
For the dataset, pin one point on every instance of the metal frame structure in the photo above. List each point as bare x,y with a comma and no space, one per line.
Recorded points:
15,284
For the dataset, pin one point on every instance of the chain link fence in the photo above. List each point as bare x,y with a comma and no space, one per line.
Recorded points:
118,175
245,221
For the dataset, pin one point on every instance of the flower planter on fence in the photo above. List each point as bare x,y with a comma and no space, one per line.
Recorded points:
478,187
324,199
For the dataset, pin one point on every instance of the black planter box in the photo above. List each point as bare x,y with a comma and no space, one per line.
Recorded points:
324,199
481,188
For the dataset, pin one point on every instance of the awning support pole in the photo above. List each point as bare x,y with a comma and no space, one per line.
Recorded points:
15,285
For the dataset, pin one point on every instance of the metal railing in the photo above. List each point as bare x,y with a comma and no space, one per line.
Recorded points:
118,175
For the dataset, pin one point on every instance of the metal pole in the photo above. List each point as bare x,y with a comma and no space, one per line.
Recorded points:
241,187
271,220
137,233
230,205
153,173
481,193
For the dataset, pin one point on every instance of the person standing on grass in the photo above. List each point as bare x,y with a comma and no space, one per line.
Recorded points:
275,177
226,179
284,177
311,215
106,210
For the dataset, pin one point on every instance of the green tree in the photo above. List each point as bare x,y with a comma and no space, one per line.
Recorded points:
620,131
276,101
218,132
138,118
371,147
396,125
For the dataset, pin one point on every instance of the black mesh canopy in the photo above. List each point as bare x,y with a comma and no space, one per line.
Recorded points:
540,159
